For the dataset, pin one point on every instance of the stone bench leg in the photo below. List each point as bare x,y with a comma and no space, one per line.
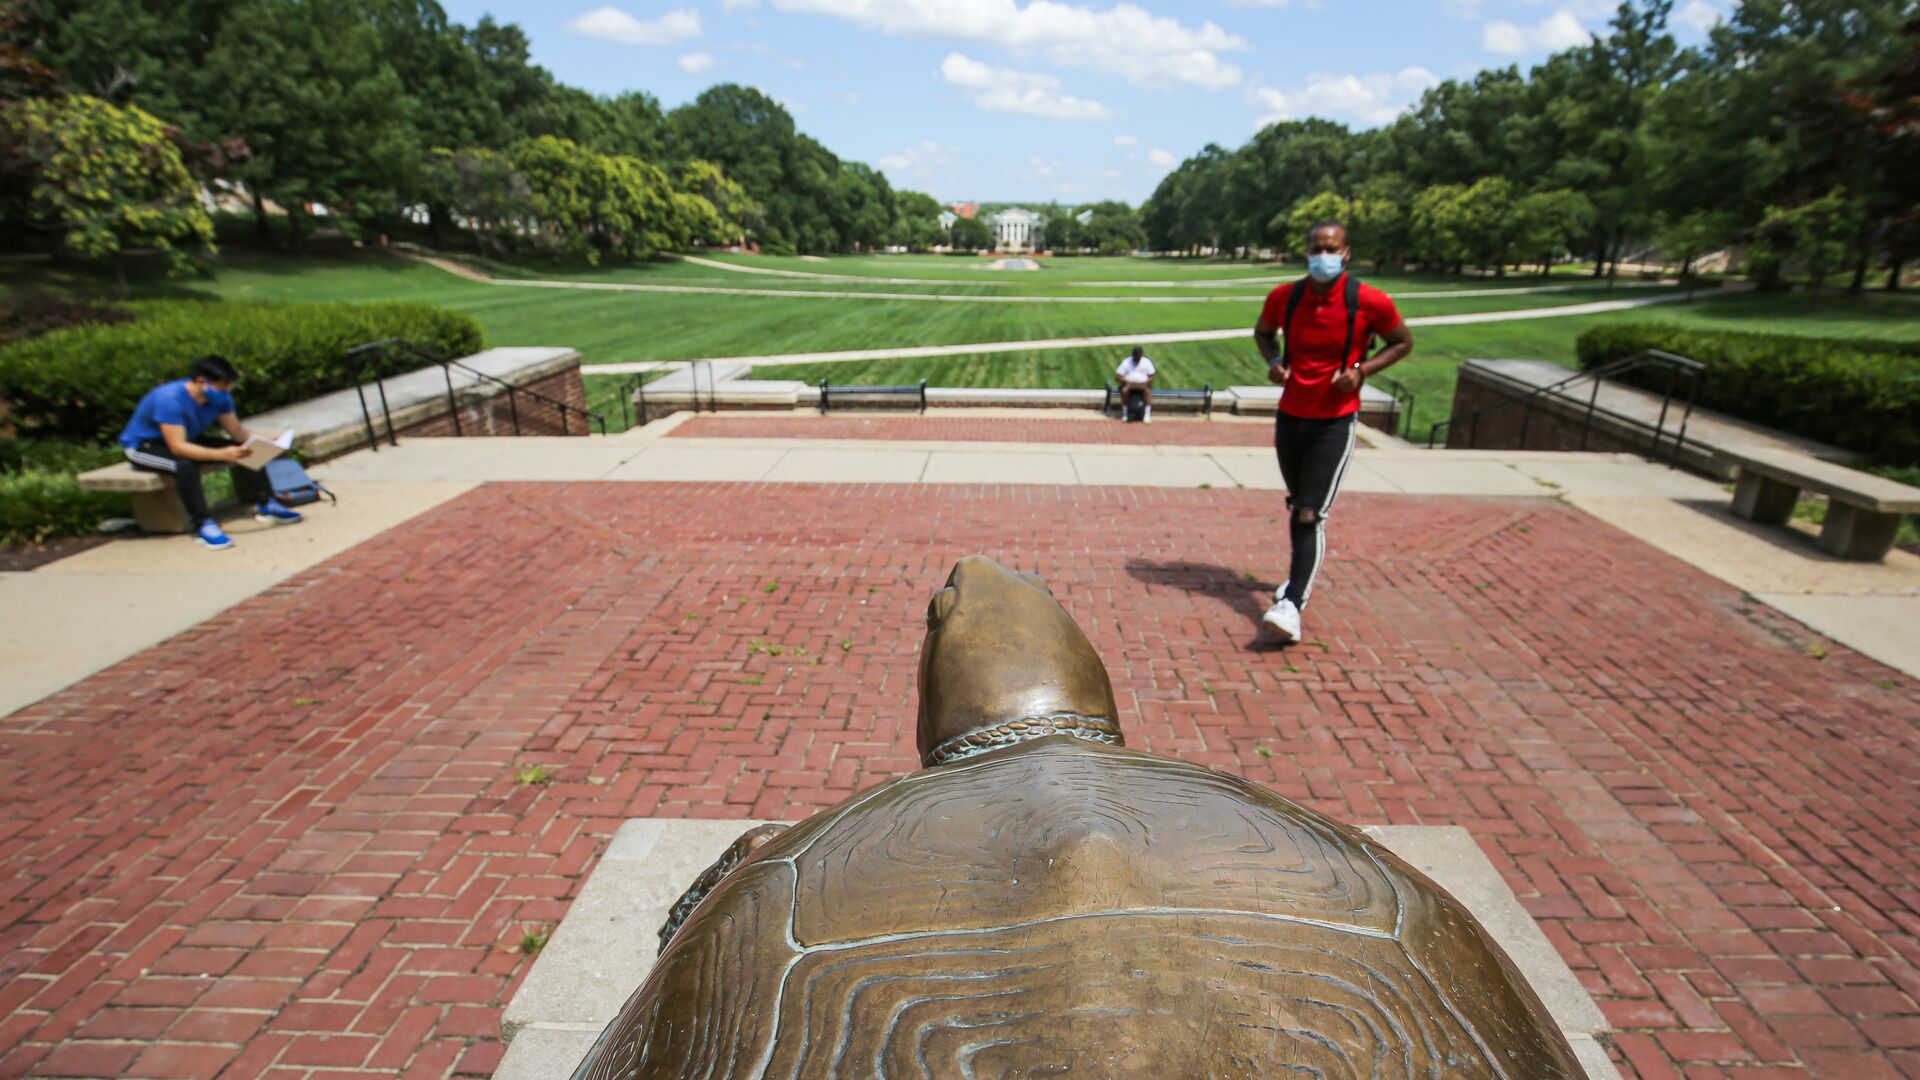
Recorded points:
161,511
1853,532
1762,499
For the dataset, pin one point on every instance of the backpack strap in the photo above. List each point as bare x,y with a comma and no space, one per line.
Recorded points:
1353,314
1293,303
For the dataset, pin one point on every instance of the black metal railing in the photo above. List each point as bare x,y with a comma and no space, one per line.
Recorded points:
1403,401
1676,367
633,392
366,359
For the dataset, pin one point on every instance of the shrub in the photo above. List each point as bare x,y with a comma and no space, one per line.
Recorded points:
1856,394
39,499
81,383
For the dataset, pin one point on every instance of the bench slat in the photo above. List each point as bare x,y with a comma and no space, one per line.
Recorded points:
1837,482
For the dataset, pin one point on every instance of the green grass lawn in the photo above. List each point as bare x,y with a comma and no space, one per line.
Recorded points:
619,326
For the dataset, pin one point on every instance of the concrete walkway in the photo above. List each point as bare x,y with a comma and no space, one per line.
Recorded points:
89,611
1112,340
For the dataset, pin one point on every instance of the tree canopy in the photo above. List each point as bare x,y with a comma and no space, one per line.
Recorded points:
384,110
1607,148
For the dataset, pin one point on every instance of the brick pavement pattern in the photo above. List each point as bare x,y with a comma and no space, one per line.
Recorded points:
293,842
997,429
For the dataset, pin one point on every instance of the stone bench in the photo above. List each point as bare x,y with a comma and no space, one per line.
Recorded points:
1201,399
156,506
1864,510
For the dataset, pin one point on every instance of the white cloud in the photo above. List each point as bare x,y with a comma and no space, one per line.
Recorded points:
694,63
919,162
1162,158
1128,40
1006,90
1699,15
1369,100
731,6
1310,5
612,24
1041,166
1560,30
1125,140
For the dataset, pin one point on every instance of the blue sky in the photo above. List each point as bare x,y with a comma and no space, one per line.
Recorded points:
1072,100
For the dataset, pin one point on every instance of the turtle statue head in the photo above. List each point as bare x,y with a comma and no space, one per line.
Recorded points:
1002,663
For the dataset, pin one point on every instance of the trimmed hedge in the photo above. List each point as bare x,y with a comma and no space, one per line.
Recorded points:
39,498
1856,394
81,383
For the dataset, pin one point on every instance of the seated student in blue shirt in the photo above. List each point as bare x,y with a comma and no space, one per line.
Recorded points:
161,438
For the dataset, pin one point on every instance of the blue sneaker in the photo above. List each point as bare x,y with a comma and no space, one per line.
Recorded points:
209,536
272,513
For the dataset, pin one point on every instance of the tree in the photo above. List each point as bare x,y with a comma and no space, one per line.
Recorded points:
1814,233
1439,226
969,234
1697,234
1112,228
916,221
1379,218
589,204
306,84
736,213
110,179
1291,227
482,186
1546,225
1065,234
1487,224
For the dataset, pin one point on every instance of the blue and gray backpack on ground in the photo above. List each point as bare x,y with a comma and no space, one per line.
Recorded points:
291,484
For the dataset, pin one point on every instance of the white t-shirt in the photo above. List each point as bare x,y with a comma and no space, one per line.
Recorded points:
1136,371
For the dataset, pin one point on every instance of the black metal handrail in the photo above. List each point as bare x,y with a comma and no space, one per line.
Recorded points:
1674,365
1402,396
370,353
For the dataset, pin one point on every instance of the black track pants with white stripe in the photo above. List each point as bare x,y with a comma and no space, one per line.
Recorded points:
152,455
1313,453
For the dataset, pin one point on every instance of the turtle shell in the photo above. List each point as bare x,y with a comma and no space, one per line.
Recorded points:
1065,908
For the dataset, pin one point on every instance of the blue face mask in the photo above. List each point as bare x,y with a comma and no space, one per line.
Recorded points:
1325,267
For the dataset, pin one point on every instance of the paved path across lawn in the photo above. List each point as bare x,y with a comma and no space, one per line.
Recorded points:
291,841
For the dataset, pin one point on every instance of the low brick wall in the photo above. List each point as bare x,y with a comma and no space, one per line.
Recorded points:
417,403
1552,422
495,414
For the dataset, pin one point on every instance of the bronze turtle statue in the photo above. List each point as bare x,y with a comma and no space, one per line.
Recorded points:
1039,901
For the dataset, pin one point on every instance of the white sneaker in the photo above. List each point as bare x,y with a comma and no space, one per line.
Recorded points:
1147,417
1280,593
1284,620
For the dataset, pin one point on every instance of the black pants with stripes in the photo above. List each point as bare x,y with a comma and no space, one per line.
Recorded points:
1313,456
152,455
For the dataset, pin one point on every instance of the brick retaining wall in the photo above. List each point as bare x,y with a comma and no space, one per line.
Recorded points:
494,414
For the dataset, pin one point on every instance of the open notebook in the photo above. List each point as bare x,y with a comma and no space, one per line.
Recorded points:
260,451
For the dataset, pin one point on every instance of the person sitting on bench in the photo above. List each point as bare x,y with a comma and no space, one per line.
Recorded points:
163,437
1136,377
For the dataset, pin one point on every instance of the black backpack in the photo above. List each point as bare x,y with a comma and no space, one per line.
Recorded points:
1352,294
291,484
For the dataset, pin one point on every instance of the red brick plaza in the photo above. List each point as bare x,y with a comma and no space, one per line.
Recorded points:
291,842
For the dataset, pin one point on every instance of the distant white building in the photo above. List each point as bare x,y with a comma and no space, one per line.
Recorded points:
1017,229
947,218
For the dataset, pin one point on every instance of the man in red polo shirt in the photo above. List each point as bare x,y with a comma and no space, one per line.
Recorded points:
1330,322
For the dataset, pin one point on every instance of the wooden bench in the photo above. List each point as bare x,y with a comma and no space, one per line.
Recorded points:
1864,510
827,393
1204,396
156,505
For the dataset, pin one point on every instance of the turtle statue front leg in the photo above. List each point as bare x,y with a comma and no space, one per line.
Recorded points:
737,852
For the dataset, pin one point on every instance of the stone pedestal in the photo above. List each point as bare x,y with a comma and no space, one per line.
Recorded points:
1767,501
1853,532
604,947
